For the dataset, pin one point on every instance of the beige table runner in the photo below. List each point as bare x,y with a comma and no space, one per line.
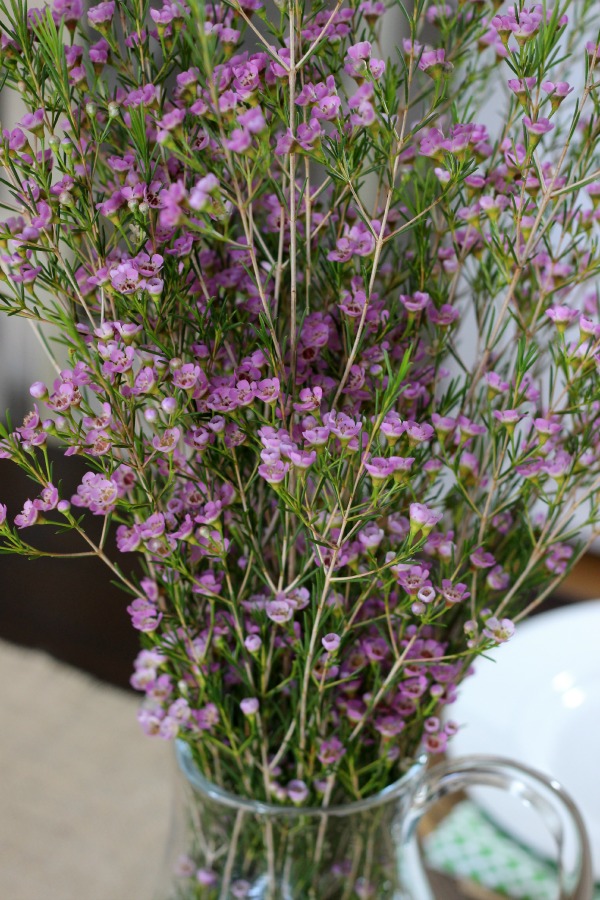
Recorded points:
84,795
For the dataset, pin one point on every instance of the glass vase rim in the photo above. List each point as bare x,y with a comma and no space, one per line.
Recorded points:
190,770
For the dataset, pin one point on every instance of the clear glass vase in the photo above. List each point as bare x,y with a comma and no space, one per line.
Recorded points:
223,846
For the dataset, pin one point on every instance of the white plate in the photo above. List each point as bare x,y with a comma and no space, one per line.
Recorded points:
538,702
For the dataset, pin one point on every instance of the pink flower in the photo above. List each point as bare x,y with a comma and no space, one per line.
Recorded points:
297,791
538,128
279,610
342,426
331,642
481,559
418,433
498,579
416,302
454,593
422,518
303,459
48,499
249,706
101,14
433,63
274,472
330,751
379,469
28,516
167,441
499,630
562,316
267,390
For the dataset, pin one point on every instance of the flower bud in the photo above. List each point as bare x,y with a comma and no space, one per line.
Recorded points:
38,390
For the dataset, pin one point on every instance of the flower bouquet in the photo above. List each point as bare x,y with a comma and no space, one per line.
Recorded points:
330,350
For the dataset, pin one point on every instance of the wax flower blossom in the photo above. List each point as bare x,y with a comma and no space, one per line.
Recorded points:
327,346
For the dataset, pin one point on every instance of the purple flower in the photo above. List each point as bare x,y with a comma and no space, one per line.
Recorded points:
498,579
69,10
562,316
253,120
249,706
508,418
401,466
206,877
363,111
128,539
48,499
412,578
144,615
538,128
379,469
28,516
330,751
356,59
454,593
253,643
559,465
167,441
239,141
316,437
97,493
279,610
469,429
274,472
153,527
353,304
267,390
207,717
303,459
499,630
98,53
480,559
186,376
342,426
435,743
309,399
389,726
422,518
495,383
521,87
297,791
33,121
445,316
331,642
433,63
557,91
418,433
101,14
415,302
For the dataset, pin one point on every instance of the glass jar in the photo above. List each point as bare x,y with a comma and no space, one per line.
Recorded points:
222,846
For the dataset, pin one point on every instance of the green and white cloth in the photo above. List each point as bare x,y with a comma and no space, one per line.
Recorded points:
467,845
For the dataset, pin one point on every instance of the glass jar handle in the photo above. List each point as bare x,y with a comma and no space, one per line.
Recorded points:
562,818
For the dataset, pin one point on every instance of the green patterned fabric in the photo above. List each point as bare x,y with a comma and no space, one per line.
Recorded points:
467,845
